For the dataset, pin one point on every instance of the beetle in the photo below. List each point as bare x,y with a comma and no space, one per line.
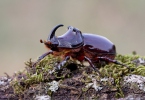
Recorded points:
80,46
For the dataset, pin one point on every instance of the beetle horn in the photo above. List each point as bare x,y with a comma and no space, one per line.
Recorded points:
52,34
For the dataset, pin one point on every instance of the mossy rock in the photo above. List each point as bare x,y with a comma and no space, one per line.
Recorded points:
75,80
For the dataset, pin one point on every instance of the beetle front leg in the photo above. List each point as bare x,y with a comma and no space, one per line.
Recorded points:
92,65
42,56
63,62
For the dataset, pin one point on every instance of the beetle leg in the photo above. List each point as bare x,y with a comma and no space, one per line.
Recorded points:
111,60
63,62
42,56
92,65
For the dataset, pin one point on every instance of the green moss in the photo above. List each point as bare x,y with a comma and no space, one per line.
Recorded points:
117,72
45,71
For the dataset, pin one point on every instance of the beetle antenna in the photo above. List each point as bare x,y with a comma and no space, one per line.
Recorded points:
41,41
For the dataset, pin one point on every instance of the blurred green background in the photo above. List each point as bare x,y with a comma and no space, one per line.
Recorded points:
24,22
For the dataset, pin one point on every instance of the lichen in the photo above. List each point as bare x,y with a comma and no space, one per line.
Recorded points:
135,82
54,85
43,97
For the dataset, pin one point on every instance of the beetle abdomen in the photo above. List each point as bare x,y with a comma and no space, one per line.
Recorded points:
98,44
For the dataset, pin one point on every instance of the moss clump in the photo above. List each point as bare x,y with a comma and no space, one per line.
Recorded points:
117,72
110,78
45,71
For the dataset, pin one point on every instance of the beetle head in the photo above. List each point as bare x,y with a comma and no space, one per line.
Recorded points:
71,39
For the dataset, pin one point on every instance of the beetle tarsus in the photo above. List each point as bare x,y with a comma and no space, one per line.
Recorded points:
116,62
63,62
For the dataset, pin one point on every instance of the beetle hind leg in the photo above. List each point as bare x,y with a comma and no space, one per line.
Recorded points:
92,65
111,60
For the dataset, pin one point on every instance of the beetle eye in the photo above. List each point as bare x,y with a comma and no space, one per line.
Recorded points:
51,46
54,47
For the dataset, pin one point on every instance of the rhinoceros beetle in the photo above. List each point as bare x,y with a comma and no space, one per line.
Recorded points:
80,46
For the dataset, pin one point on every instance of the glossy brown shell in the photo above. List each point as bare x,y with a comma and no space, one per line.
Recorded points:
96,45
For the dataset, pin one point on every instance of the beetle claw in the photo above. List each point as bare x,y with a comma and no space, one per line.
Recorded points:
33,65
58,66
63,62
